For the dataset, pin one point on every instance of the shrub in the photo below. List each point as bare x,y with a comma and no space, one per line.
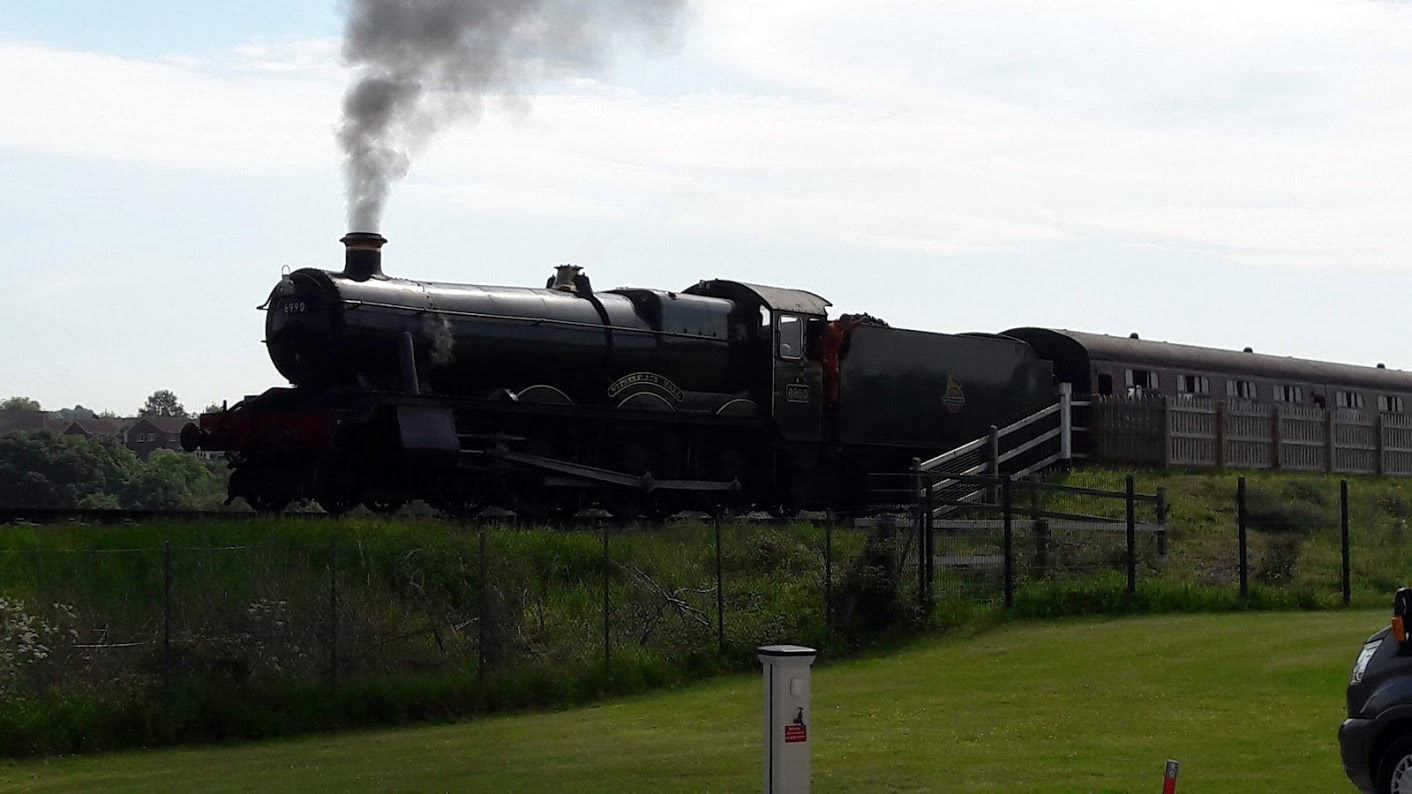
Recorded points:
1315,492
1272,514
1278,563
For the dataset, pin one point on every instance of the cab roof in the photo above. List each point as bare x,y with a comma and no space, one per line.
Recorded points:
774,298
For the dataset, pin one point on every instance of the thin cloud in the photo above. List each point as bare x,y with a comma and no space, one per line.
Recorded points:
1266,133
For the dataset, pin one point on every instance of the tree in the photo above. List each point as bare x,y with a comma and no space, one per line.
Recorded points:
162,403
41,469
76,412
171,480
20,404
213,408
44,470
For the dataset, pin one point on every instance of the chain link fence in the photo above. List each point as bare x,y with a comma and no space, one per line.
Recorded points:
277,634
308,627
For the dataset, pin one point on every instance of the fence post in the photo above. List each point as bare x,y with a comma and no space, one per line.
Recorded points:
481,616
993,456
1331,443
333,612
1343,523
1240,525
166,623
828,575
607,640
1276,438
1162,521
1132,537
1007,505
1168,416
1066,425
929,530
720,594
1378,434
1221,434
921,523
1040,528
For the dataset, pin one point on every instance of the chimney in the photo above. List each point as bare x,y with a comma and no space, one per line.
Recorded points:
362,257
570,278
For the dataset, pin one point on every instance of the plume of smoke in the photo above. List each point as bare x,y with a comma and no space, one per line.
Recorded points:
422,63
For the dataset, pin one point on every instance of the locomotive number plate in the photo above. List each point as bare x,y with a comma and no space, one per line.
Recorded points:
797,393
295,307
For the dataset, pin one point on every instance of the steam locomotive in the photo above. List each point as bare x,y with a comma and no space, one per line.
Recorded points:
634,400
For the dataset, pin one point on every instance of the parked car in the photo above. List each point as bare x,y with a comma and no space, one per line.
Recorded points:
1376,739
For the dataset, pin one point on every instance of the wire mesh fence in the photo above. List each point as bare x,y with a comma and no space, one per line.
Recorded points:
1295,534
1316,540
61,629
485,617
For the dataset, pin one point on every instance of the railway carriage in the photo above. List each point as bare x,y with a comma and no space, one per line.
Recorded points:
1113,365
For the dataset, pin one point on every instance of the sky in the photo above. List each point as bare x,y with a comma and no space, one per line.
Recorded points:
1226,174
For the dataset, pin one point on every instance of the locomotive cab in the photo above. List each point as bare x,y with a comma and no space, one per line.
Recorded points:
797,396
788,319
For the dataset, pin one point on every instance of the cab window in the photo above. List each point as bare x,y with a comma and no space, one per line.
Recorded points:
791,336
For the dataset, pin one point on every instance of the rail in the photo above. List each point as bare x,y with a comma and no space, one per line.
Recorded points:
117,516
45,515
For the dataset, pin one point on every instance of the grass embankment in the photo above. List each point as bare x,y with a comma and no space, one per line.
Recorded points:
252,637
425,629
1246,702
1293,530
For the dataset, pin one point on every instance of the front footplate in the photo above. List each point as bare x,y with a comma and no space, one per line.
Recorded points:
644,482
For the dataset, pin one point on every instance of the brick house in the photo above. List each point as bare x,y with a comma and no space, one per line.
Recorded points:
151,433
30,421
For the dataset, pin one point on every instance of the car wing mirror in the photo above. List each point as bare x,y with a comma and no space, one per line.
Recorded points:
1401,612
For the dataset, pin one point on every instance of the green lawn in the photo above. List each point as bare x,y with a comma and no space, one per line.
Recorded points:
1247,702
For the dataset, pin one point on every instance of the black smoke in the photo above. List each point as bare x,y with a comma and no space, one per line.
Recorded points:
422,63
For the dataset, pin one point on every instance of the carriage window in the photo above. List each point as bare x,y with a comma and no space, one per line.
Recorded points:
1350,399
791,336
1389,404
1289,394
1105,383
1193,384
1140,381
1242,389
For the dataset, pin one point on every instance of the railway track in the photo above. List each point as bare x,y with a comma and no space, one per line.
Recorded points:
111,517
47,516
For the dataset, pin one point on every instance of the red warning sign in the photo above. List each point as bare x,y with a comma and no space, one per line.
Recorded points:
795,733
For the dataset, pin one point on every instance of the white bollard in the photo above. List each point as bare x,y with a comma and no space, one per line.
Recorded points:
787,717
